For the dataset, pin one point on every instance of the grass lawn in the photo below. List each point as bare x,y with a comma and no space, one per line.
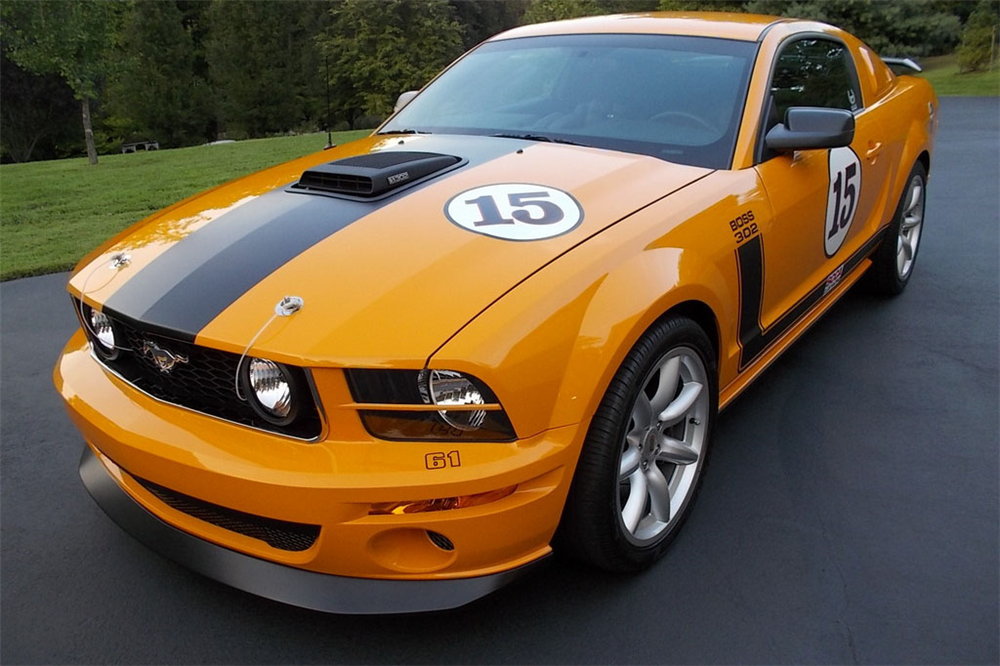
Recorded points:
942,72
52,213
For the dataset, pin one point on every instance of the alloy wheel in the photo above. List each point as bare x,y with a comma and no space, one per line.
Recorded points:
909,227
662,450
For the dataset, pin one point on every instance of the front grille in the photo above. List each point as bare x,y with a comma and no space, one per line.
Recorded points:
279,534
206,383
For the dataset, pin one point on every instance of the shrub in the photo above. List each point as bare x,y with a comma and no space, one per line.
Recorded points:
977,38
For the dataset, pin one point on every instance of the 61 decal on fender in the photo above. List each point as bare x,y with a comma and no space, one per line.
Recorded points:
842,198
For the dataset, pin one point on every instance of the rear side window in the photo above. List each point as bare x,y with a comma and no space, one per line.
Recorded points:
814,72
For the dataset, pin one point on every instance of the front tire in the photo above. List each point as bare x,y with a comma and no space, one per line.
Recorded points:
892,263
645,454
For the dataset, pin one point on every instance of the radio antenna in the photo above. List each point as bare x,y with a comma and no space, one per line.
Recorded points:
329,135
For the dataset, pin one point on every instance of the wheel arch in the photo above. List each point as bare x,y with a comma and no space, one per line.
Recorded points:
703,315
925,158
699,294
917,102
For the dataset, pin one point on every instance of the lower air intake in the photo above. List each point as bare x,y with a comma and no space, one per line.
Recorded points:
440,540
279,534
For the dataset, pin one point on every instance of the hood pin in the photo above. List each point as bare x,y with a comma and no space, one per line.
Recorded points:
288,305
119,260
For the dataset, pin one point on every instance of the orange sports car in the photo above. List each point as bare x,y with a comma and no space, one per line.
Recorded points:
389,376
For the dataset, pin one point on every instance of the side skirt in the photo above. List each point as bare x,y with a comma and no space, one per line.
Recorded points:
760,348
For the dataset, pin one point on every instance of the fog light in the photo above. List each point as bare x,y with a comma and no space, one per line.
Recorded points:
442,504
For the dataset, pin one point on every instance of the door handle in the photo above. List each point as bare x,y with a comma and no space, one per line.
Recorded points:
874,148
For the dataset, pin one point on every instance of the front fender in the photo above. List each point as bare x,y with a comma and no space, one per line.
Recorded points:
550,347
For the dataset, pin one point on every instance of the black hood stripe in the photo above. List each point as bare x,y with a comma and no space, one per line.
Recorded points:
190,284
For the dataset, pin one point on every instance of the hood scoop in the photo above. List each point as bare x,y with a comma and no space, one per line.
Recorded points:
374,175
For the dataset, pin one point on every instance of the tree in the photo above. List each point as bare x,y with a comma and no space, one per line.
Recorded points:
34,113
262,63
702,5
978,38
71,39
889,27
557,10
377,50
481,19
155,93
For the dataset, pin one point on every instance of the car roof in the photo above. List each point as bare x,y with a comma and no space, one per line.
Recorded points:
743,27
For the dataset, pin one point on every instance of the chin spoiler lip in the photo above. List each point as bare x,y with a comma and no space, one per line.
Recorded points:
322,592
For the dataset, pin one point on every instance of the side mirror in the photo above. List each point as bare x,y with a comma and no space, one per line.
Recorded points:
404,99
807,127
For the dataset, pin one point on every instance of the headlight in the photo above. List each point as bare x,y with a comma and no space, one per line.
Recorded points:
448,388
100,331
100,325
435,391
271,390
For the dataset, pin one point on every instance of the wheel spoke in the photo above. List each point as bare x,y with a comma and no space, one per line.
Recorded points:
636,504
910,221
677,409
915,195
676,452
667,388
642,412
659,493
908,248
629,463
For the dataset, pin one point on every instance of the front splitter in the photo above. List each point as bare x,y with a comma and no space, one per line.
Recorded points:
307,589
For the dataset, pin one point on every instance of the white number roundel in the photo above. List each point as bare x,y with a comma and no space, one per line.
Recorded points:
842,199
515,211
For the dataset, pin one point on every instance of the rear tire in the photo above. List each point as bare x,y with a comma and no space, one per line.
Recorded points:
638,476
893,262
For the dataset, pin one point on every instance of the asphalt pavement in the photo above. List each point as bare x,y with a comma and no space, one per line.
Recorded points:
850,515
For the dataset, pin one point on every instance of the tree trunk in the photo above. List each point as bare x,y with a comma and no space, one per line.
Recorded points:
31,146
88,132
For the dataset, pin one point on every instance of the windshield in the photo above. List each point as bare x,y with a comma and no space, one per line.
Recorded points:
675,98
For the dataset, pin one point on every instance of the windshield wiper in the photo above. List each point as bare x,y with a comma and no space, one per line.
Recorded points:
406,131
537,137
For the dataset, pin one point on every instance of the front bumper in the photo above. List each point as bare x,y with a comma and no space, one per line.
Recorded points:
322,592
137,444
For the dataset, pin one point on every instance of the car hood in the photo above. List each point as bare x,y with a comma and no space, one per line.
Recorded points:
383,282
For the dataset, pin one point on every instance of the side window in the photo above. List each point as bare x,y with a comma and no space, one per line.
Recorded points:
814,72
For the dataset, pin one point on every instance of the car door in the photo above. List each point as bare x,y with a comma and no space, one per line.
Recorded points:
822,200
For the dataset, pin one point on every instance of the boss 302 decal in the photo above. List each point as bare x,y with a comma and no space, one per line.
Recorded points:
515,211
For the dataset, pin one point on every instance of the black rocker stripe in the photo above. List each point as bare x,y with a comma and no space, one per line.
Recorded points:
186,287
754,339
